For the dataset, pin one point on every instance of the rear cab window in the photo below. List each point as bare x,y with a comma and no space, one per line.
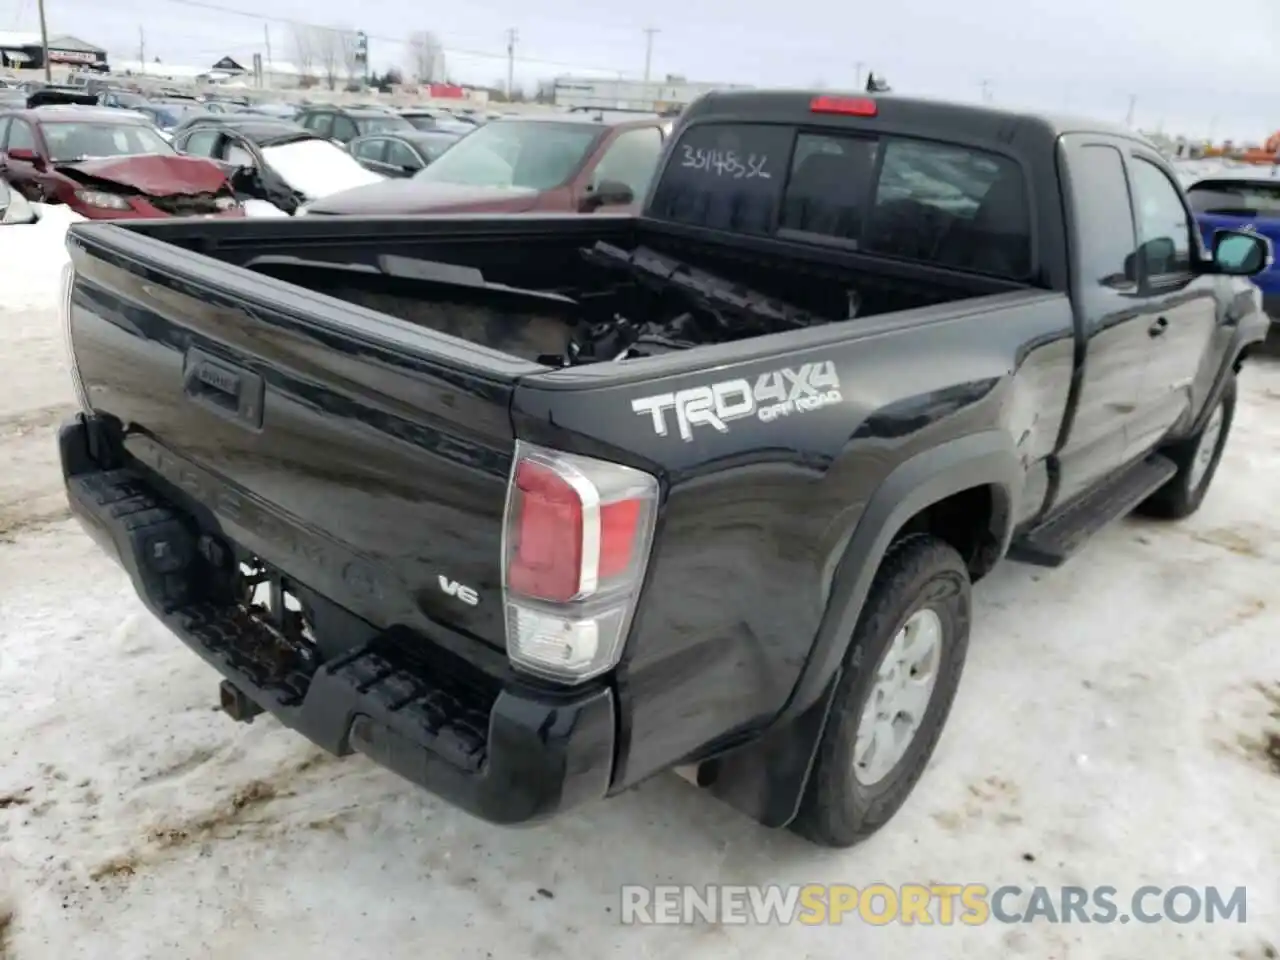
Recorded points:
1235,198
911,199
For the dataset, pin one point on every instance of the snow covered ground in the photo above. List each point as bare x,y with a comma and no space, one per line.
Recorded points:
1112,728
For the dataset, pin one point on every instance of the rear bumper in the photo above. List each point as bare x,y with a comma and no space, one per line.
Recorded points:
505,753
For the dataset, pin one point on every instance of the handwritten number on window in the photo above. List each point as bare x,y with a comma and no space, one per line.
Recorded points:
727,163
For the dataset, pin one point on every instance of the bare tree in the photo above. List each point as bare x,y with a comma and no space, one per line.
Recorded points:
328,51
304,47
427,57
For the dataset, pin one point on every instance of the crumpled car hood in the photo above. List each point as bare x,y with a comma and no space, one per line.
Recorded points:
152,174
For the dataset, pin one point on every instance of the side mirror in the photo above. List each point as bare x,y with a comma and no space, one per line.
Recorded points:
23,154
607,193
1157,254
1240,253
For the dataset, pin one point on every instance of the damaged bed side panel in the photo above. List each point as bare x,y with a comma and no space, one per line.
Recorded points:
768,450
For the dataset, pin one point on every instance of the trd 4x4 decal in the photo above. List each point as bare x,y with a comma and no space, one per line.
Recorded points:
776,394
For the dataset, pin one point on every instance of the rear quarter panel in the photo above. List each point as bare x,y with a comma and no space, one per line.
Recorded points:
757,516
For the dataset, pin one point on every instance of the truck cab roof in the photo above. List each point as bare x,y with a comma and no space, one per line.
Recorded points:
961,122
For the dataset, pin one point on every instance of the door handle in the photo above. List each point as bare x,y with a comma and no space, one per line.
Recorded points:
1158,327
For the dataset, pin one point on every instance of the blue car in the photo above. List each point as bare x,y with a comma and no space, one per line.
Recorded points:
1242,198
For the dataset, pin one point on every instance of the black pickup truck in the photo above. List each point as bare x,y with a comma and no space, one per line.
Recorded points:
529,509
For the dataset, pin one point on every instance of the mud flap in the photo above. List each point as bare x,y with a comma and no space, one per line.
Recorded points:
766,778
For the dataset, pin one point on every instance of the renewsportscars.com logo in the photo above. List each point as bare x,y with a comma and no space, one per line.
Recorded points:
945,904
779,393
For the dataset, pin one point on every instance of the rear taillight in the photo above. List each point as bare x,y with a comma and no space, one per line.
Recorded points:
576,539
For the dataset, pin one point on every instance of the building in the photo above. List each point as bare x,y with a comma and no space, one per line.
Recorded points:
228,71
618,94
24,51
274,74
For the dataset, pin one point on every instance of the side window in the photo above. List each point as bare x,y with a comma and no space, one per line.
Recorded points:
202,143
632,159
307,121
1164,227
952,206
399,155
21,136
321,124
371,149
1104,215
234,151
344,129
827,192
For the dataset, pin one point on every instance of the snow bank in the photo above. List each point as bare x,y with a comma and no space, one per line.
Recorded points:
31,259
317,168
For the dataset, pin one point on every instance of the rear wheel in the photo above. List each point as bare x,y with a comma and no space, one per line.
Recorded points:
900,678
1197,458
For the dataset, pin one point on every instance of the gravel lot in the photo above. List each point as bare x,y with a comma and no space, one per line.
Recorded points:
1119,723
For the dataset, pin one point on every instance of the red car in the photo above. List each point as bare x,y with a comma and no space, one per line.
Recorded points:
107,164
555,163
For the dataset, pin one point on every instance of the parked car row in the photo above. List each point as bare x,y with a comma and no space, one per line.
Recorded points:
183,157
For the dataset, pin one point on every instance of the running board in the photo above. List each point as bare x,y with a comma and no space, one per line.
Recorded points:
1065,532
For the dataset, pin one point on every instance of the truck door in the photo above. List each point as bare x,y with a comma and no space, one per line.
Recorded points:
1179,306
1110,312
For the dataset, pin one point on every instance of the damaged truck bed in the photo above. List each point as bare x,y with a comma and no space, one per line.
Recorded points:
566,291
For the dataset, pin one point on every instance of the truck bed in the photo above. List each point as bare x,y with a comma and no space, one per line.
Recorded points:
568,291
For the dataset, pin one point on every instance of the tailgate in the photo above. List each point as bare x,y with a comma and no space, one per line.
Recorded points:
365,458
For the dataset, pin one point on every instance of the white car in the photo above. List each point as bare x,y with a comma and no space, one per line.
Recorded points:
277,161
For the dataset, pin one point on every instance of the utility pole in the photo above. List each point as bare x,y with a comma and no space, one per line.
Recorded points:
648,51
512,37
985,85
44,44
142,46
266,35
1133,106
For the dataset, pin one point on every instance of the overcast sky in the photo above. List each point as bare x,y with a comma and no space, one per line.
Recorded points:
1188,70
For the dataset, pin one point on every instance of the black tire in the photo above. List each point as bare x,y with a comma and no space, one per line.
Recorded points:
919,571
1179,497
